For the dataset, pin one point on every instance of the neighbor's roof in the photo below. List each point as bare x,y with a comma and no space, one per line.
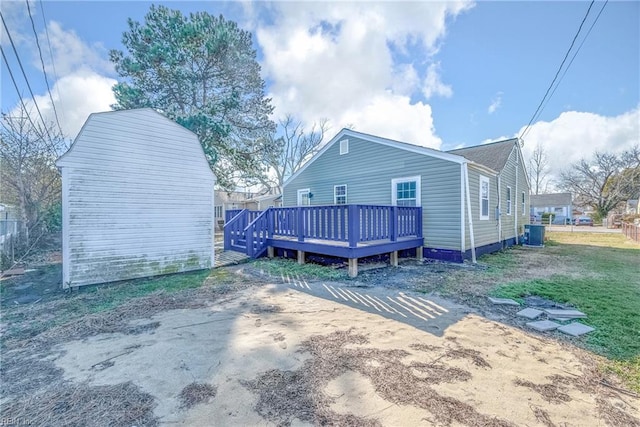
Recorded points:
493,155
548,200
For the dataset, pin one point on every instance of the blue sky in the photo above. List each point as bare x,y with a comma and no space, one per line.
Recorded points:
436,74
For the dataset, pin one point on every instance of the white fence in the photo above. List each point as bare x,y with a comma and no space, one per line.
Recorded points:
9,231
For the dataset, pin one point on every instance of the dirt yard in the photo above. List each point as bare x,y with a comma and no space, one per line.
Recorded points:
250,349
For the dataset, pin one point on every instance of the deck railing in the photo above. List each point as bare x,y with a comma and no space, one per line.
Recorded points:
248,231
230,213
347,223
256,234
234,229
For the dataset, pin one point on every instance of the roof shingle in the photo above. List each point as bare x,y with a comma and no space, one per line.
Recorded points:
493,155
549,200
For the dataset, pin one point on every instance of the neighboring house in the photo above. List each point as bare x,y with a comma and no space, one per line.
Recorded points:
137,199
234,200
559,204
231,200
632,207
472,199
268,201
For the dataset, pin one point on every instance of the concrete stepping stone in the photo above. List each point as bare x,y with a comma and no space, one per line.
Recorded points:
543,325
564,314
503,301
529,313
576,329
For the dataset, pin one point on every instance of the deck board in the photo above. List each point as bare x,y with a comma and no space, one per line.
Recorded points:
342,249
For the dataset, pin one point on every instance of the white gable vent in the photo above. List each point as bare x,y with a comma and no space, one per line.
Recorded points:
344,146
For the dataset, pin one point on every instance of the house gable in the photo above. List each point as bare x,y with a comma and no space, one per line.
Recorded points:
345,134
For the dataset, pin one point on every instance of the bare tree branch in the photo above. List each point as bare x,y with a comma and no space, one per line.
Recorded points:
538,169
28,173
605,181
292,149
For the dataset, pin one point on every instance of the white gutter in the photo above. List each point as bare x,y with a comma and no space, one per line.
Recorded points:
463,237
470,217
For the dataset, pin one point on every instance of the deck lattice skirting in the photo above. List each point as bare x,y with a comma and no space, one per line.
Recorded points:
346,231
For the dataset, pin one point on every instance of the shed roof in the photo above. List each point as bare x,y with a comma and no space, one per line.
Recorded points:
555,199
493,155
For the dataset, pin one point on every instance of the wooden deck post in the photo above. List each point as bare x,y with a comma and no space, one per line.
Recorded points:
419,253
353,267
301,255
393,258
271,252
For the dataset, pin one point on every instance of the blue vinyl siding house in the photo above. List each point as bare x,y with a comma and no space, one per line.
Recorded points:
473,200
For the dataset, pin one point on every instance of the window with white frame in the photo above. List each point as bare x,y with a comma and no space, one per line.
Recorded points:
340,194
217,211
508,200
405,191
484,197
303,197
344,146
523,203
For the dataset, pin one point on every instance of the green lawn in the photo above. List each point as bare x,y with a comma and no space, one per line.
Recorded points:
607,290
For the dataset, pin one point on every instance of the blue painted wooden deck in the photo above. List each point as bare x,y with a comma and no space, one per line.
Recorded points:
347,231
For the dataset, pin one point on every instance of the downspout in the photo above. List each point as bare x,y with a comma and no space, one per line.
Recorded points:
515,208
463,236
470,217
499,212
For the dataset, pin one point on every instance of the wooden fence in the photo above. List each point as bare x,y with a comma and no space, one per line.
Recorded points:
632,231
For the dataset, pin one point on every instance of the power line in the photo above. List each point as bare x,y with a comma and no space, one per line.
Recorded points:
53,62
35,33
24,74
576,53
557,72
24,107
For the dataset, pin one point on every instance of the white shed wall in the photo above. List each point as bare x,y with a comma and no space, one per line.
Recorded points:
137,200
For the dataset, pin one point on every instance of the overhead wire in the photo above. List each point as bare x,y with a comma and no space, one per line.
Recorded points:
538,109
24,74
53,62
576,53
24,107
35,34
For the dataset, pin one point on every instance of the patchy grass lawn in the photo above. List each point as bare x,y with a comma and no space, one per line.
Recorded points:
607,290
58,307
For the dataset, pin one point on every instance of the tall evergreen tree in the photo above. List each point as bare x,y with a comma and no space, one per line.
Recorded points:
202,72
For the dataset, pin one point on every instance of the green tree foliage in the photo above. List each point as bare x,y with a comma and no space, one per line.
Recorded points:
605,181
202,72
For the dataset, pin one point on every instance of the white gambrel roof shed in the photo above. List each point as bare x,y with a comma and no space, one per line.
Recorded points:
137,199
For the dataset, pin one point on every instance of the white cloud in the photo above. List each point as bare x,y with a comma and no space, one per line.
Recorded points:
83,85
412,122
576,135
335,60
70,53
433,86
76,96
496,103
